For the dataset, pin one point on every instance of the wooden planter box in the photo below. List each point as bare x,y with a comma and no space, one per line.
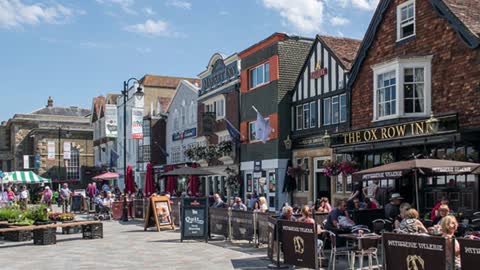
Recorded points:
18,236
45,236
71,230
92,231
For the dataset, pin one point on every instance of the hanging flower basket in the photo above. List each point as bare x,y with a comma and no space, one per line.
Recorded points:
331,168
348,167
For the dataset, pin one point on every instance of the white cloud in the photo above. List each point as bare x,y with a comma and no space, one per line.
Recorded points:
339,21
157,28
306,16
179,4
144,50
365,4
149,11
15,13
125,5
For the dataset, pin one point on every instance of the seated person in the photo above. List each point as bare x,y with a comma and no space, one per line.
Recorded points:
403,209
443,211
108,201
338,219
411,224
443,201
98,200
369,204
355,205
287,214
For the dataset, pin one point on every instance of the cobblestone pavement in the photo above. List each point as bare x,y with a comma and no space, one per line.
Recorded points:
128,246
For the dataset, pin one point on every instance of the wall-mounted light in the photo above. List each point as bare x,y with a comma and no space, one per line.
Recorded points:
433,122
326,139
288,143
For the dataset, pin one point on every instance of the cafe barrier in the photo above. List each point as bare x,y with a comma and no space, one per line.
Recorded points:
262,227
243,225
219,221
299,243
176,212
412,252
469,254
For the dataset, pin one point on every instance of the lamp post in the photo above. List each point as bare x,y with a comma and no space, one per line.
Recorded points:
138,93
67,135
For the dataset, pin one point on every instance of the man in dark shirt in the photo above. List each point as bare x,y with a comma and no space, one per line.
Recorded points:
287,214
392,209
333,217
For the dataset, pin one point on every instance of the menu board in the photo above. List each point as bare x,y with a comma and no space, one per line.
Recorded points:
194,219
159,213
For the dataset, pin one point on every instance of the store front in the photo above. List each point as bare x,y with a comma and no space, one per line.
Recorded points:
415,140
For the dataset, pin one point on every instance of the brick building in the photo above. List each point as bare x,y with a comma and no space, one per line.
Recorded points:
415,90
218,102
57,140
268,72
319,105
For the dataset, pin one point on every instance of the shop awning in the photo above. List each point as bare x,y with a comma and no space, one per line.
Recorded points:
187,171
423,166
24,177
106,176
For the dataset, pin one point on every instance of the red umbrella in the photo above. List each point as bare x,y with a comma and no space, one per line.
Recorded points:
149,185
170,184
129,184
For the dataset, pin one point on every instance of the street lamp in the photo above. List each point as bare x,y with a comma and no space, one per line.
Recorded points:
67,135
138,93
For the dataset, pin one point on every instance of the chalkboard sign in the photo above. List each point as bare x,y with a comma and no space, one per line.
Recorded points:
77,203
194,219
159,213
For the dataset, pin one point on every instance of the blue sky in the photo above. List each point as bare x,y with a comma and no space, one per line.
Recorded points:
74,50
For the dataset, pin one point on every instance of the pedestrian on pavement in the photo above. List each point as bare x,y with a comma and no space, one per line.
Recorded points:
23,198
47,197
65,195
239,205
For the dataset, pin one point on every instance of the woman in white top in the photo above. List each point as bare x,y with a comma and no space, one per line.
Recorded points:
370,191
263,204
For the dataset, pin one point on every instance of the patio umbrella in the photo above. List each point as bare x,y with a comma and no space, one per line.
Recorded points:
424,166
129,184
186,171
149,185
106,176
193,182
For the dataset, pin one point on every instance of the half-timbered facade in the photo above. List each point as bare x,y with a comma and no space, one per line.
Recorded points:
320,107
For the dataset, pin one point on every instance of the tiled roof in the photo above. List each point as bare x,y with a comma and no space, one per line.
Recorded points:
112,98
165,81
345,48
467,11
63,111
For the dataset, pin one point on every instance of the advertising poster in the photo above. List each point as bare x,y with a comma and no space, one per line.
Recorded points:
51,150
67,150
26,162
137,123
111,121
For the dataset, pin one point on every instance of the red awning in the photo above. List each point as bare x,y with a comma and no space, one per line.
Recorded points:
107,176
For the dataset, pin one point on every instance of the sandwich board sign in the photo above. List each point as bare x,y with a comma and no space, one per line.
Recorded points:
159,214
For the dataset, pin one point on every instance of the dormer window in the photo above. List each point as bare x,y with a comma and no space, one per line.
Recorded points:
406,20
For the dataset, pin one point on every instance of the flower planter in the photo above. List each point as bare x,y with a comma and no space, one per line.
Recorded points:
45,236
18,236
92,231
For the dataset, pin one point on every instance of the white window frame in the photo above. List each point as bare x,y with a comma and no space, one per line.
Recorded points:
401,24
398,65
217,105
340,108
299,113
251,126
254,69
333,120
306,118
313,103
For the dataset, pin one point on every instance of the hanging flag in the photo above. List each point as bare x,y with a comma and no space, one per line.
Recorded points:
234,133
262,128
113,158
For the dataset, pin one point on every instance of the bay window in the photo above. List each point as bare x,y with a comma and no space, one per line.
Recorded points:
313,114
402,88
343,108
335,110
326,111
299,117
306,116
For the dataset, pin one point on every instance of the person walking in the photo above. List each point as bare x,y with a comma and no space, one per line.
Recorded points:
65,194
23,198
47,197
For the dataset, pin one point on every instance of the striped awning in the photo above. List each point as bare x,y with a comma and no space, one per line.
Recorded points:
24,177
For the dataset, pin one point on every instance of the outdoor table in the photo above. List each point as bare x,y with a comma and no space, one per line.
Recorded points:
353,237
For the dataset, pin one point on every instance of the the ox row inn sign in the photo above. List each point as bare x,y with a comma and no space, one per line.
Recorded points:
403,130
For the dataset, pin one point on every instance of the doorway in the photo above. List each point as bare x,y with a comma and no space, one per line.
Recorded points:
322,186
